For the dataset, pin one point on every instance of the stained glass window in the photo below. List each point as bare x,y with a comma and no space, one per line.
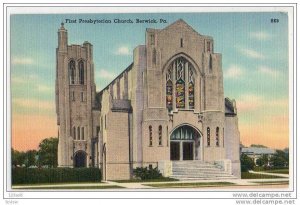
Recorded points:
72,71
191,89
182,73
180,85
169,90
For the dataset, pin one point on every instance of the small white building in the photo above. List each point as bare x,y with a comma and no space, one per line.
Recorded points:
257,152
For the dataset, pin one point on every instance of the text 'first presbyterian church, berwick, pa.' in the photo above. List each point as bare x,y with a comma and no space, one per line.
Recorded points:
166,109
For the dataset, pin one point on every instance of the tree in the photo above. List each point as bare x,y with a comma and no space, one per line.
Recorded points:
280,159
258,145
263,160
47,154
30,158
17,158
247,163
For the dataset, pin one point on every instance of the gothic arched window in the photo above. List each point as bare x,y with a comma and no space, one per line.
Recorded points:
180,83
81,72
169,90
82,133
78,133
208,136
150,136
223,137
72,71
191,89
74,133
160,135
217,137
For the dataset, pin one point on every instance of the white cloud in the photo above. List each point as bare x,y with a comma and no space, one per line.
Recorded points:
268,71
23,80
260,35
234,71
44,88
22,61
104,74
251,53
249,102
123,50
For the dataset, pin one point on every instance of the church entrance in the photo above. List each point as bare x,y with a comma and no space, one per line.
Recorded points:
80,159
184,143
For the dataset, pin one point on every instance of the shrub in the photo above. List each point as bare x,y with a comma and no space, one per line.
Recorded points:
55,175
145,173
246,163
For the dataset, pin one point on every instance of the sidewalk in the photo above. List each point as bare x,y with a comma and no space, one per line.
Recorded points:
143,185
272,174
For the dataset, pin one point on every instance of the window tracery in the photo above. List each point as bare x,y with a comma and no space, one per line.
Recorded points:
183,81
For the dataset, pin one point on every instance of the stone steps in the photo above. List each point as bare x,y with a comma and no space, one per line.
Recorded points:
198,170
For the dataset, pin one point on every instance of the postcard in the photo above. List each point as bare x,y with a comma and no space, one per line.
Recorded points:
150,101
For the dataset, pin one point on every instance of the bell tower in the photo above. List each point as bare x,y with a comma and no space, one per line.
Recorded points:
75,99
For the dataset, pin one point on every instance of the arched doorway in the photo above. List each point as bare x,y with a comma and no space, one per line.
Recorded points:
80,159
185,143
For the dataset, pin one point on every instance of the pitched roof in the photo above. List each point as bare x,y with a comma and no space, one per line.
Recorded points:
258,150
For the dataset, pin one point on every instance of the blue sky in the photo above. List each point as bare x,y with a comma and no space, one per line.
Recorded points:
254,53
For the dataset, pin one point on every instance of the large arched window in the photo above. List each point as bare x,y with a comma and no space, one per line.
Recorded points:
81,72
72,71
183,81
217,137
150,136
208,136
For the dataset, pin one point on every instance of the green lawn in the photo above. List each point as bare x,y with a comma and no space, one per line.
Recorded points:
278,171
58,183
272,182
166,179
190,185
247,175
75,187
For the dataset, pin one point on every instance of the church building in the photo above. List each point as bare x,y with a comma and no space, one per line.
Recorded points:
166,109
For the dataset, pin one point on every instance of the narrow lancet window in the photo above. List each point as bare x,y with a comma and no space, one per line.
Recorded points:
217,137
78,133
191,89
208,136
72,72
150,136
82,133
169,90
160,135
180,88
81,72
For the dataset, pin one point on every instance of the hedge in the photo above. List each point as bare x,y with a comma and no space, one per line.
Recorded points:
54,175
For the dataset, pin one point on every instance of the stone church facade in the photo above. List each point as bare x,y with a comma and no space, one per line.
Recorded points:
167,106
